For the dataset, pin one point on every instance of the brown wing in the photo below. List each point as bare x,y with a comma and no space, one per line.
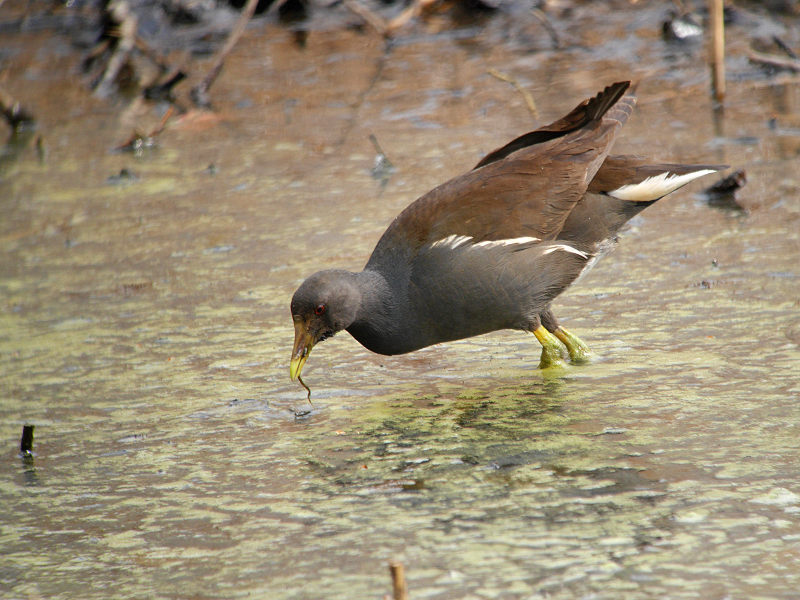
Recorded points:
524,189
581,115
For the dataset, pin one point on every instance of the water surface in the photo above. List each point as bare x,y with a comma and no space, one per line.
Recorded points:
144,330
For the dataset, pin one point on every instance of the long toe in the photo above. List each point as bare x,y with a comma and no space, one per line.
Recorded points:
551,358
579,352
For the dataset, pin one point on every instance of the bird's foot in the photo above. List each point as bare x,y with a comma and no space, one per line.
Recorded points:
551,349
578,351
551,360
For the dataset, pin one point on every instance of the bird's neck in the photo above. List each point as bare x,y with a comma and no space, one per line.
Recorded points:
378,323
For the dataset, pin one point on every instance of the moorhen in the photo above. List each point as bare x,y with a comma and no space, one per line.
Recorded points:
492,248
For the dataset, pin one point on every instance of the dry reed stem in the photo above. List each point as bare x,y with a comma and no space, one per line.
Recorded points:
399,588
715,11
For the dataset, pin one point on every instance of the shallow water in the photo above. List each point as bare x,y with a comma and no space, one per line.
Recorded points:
144,330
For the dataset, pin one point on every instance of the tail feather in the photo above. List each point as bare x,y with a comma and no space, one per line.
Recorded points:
631,178
622,188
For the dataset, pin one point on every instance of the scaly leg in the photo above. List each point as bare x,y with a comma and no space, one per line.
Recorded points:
551,347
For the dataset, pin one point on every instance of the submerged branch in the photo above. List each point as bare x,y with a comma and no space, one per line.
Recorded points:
529,102
200,91
772,60
121,13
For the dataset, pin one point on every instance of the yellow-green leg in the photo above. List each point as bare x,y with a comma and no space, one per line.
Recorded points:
578,351
551,348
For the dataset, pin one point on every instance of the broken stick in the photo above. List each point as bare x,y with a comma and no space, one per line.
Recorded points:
399,588
715,10
200,91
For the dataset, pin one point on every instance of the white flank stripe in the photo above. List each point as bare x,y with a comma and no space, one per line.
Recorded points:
657,186
565,248
452,241
508,242
456,241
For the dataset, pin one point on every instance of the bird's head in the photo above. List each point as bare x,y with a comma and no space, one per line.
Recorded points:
323,305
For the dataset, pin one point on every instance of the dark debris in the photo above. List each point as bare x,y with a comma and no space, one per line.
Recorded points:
722,194
124,177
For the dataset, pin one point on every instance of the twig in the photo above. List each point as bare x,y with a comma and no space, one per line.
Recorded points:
529,102
377,22
120,13
716,12
377,147
143,47
163,91
383,167
783,46
399,588
381,25
412,12
95,53
163,123
359,101
138,142
775,61
200,92
41,150
542,18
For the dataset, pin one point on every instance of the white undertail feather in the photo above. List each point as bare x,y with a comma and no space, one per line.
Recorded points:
657,186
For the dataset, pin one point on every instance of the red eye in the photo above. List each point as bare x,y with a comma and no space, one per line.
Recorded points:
320,309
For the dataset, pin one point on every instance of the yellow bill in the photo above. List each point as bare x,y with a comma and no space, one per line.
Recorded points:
303,342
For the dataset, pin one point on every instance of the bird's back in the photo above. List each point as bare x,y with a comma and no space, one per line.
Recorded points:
527,188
